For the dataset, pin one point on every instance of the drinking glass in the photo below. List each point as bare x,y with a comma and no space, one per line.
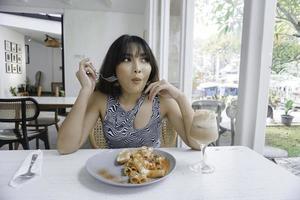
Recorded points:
204,131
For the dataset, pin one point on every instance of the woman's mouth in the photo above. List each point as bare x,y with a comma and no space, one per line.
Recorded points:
136,80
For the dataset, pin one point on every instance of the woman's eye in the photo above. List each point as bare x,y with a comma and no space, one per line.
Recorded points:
126,60
144,60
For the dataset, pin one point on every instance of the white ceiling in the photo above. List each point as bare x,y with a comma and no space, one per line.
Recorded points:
58,6
37,36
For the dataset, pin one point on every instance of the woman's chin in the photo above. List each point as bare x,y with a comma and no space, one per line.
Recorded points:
135,91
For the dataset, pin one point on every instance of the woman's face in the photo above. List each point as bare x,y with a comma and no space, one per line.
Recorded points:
134,71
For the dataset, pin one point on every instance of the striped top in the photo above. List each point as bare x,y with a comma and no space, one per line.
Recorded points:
118,125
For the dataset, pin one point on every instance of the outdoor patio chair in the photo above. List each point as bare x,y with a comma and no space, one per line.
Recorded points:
270,152
168,137
270,112
231,112
217,107
19,111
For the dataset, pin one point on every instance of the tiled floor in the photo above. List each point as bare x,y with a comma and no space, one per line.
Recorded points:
291,164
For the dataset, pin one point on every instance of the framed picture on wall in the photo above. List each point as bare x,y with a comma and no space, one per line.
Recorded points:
7,57
14,47
27,54
14,68
7,45
8,67
19,48
19,69
19,58
13,57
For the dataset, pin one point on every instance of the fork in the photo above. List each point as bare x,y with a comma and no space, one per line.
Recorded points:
108,79
29,174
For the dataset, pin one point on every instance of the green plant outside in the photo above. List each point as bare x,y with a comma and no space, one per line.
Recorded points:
288,106
13,90
287,138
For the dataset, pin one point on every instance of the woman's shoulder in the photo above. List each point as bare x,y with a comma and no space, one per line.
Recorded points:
166,101
98,98
166,104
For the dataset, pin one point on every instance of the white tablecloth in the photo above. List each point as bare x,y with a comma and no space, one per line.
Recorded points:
240,174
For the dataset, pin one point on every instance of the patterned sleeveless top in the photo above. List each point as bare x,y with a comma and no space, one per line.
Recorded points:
118,125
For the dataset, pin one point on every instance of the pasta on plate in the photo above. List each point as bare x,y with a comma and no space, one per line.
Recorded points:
142,165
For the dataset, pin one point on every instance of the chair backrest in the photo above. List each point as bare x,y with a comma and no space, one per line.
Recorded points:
232,109
270,112
214,105
168,137
39,91
18,109
56,87
231,112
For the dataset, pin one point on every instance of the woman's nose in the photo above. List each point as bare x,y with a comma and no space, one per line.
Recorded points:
136,67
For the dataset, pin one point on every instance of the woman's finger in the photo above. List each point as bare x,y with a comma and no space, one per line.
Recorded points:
83,62
155,90
93,67
90,71
151,86
87,67
151,89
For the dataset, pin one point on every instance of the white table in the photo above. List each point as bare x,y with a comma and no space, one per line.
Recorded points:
55,102
51,102
240,174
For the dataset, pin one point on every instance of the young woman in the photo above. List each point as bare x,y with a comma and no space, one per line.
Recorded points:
131,107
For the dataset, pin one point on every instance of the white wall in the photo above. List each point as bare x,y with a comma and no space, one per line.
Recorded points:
89,34
9,79
44,59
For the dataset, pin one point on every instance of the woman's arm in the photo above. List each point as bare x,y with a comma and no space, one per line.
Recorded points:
79,122
84,114
177,108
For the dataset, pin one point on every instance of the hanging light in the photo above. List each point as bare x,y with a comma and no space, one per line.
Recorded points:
51,42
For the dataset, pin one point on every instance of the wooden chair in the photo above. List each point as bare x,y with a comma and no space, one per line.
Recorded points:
19,111
45,121
168,137
217,107
56,87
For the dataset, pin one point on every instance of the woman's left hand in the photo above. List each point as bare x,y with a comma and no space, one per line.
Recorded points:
163,88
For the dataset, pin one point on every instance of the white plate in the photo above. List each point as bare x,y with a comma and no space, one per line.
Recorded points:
107,160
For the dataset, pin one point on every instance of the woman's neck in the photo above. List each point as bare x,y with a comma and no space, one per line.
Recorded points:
129,100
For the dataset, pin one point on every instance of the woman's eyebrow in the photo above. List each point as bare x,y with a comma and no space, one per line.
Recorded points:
127,55
143,54
137,55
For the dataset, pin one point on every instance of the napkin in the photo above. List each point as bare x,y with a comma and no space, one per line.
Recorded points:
36,168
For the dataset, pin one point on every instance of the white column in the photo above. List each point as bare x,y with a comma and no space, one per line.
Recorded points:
256,58
164,39
151,12
186,48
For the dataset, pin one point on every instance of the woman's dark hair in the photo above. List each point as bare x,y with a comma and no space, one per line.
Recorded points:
115,55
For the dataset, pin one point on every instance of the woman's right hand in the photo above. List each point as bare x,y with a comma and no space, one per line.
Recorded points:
86,75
